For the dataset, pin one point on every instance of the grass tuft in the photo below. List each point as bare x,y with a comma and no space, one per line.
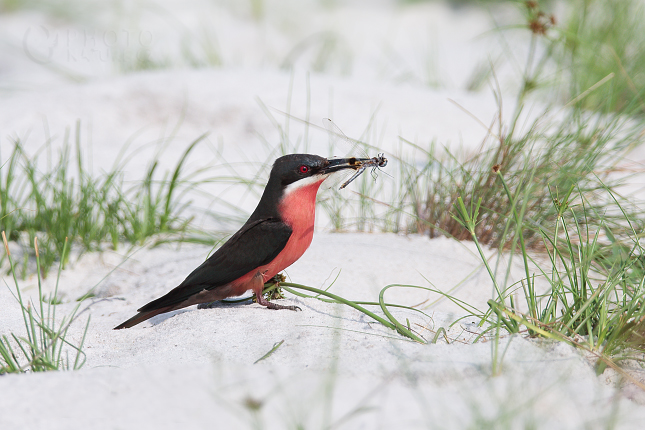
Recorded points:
46,345
61,202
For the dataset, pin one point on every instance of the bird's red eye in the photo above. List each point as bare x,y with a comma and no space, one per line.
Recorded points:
303,169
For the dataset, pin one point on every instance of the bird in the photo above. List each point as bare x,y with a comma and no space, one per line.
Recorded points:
275,236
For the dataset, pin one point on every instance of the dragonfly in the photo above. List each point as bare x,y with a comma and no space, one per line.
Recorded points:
361,163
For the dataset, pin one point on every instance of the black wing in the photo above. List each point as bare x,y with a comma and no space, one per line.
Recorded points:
255,245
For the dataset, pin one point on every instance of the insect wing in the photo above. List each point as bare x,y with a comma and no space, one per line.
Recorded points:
351,146
336,133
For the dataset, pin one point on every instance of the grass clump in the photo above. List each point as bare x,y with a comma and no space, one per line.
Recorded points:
554,188
576,150
46,345
66,200
595,290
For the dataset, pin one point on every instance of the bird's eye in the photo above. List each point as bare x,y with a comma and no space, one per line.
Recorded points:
303,169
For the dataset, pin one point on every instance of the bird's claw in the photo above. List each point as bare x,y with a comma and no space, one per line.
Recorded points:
276,306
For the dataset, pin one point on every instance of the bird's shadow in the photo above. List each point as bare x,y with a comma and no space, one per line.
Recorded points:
158,319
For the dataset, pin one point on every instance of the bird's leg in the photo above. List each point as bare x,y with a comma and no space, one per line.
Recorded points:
258,285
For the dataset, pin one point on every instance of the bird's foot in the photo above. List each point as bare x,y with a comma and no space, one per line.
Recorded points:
271,305
259,295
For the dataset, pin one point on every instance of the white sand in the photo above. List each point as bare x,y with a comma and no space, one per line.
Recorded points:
194,368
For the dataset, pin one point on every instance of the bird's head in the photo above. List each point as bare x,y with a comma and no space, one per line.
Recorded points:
298,176
297,170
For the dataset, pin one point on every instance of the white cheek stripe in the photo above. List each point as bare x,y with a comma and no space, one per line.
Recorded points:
309,180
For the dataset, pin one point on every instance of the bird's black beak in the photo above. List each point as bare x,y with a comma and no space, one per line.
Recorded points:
338,164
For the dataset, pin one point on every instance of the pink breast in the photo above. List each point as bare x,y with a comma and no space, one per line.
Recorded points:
298,210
